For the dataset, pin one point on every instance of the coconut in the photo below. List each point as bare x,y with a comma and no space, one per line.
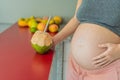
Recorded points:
41,42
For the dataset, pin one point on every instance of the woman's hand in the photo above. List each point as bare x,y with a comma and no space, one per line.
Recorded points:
111,54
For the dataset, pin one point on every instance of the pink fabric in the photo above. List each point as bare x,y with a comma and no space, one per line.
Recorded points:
110,72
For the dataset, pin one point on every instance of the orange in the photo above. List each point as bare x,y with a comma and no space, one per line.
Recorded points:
22,22
41,26
53,28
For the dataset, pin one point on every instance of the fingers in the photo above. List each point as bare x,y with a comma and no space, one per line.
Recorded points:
99,56
102,60
97,61
103,64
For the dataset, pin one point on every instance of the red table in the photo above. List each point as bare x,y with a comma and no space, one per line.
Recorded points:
18,60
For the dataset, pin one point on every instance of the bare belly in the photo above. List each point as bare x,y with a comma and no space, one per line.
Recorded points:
85,42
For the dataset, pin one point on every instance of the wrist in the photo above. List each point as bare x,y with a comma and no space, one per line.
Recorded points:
54,41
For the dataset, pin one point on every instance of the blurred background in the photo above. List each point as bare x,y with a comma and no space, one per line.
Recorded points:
12,10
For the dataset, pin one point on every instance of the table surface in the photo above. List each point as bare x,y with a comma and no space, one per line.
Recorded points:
18,60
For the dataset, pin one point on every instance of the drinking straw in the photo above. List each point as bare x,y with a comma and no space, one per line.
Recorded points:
47,24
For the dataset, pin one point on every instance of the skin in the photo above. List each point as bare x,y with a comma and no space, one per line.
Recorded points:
84,45
105,57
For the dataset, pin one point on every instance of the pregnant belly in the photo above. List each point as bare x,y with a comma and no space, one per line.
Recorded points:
85,42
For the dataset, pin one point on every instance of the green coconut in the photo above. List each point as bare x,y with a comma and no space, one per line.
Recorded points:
41,42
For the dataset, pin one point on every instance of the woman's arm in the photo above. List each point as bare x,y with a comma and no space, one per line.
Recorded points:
66,31
69,28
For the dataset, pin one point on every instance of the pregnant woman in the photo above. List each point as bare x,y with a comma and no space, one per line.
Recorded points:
95,46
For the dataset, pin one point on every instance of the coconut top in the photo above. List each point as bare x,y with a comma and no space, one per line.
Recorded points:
41,39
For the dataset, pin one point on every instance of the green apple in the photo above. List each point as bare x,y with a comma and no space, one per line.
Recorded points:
33,30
